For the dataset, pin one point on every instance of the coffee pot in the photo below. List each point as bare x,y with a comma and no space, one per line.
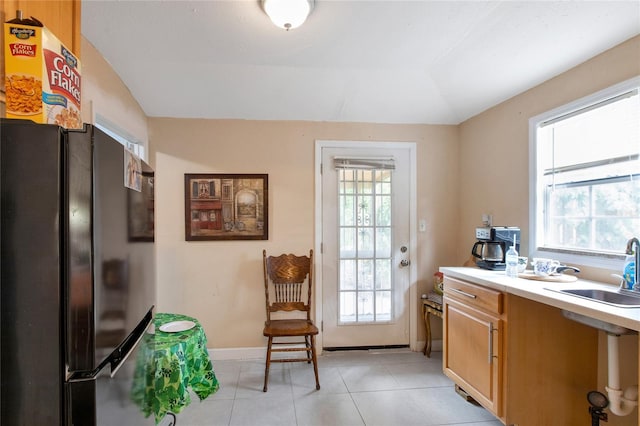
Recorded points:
489,251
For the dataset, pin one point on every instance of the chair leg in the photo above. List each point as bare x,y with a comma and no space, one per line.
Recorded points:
267,363
308,345
315,361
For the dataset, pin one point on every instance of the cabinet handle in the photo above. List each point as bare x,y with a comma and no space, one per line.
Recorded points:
464,293
490,342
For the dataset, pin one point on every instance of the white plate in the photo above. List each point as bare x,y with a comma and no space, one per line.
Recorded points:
176,326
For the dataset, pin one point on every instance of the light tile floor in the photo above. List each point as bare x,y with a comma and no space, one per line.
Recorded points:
372,388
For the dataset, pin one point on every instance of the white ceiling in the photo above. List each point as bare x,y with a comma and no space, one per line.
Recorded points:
434,62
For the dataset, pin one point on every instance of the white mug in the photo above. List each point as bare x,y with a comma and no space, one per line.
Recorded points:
544,267
522,263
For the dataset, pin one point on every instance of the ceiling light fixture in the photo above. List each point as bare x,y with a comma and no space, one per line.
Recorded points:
287,14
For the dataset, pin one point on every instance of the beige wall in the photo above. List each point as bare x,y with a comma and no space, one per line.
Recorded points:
220,282
104,93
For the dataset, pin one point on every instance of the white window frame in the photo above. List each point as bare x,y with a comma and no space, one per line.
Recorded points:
598,260
129,141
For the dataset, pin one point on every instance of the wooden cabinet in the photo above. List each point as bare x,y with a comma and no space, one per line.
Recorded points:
62,17
520,359
473,337
552,363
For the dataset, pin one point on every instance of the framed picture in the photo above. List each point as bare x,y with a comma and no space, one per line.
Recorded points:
226,207
140,210
132,171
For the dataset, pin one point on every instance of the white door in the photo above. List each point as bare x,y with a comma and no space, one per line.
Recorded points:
365,245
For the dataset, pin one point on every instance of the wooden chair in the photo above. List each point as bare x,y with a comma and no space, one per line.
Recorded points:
286,277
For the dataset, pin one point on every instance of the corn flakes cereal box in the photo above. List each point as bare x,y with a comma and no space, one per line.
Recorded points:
42,77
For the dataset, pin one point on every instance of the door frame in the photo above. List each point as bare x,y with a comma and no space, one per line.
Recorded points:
413,284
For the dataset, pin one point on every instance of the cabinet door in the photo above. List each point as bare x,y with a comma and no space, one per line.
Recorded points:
62,17
471,357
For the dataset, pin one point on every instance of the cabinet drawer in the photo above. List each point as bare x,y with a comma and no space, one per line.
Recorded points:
474,295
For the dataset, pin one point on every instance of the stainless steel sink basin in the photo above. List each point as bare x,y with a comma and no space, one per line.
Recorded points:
611,297
615,298
596,323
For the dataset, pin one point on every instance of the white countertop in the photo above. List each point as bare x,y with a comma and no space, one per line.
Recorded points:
539,292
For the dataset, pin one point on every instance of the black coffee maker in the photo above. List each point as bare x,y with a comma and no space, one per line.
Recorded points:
492,245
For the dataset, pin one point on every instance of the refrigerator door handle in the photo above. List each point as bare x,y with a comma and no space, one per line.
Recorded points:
83,376
116,359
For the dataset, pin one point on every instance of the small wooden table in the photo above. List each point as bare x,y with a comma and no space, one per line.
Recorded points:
430,307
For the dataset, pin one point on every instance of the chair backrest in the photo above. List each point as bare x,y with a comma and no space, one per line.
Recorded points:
288,281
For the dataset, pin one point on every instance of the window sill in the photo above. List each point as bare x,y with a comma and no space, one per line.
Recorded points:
611,262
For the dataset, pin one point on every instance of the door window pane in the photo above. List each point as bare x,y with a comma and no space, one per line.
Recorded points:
383,305
348,274
347,211
383,210
365,242
348,306
383,242
348,240
383,274
365,306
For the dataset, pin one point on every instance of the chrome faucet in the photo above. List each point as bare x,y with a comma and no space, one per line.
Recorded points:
634,241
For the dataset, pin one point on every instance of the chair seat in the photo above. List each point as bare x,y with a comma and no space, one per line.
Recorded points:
289,327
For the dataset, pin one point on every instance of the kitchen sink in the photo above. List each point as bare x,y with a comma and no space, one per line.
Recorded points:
615,298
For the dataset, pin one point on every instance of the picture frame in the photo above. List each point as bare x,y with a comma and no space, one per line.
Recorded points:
226,207
141,210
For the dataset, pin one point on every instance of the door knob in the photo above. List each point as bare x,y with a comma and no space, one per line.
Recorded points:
405,262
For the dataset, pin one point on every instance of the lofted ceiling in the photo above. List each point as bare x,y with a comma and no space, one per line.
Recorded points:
433,62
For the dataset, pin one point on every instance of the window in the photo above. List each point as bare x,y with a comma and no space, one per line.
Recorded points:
129,142
585,182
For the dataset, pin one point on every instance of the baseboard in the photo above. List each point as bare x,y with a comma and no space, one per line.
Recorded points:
368,348
260,352
237,353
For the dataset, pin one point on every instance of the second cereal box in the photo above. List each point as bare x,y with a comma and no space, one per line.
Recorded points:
42,76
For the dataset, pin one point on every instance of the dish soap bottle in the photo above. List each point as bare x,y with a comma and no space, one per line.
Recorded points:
629,271
511,258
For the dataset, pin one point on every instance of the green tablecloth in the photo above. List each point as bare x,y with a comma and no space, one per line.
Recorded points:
168,364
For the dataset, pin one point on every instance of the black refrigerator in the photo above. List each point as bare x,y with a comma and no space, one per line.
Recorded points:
77,275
